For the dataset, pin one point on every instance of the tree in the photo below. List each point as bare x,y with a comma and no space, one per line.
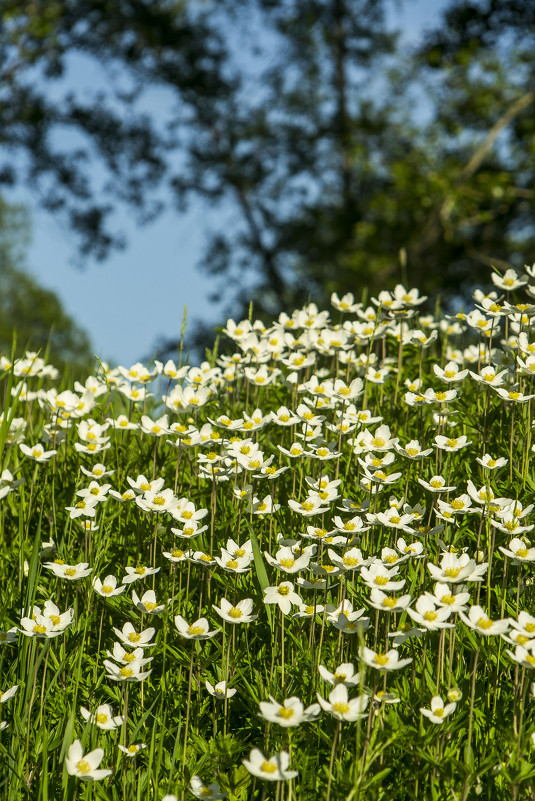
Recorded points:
348,152
32,312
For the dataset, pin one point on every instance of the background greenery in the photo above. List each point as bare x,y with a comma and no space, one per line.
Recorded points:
348,158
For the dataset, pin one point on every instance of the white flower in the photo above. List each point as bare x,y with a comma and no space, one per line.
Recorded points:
346,620
311,506
290,713
522,656
236,613
388,603
377,575
7,694
478,620
454,569
147,603
102,717
383,661
162,500
60,620
451,444
39,626
438,711
199,630
71,572
509,281
129,672
450,373
220,690
285,560
490,463
283,595
343,708
519,551
132,750
95,490
134,639
37,452
455,600
436,484
344,674
85,767
139,572
86,506
428,616
273,769
200,790
108,587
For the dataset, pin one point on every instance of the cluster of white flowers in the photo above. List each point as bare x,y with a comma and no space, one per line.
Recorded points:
309,488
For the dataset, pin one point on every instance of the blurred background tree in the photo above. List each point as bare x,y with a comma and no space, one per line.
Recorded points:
336,148
35,313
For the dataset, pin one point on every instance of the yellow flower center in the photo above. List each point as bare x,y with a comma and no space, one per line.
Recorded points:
439,712
457,504
451,443
70,571
389,603
350,561
129,658
381,659
378,442
283,589
430,616
522,553
381,580
286,713
158,500
194,630
132,749
268,767
134,636
83,766
452,572
39,628
177,553
126,672
235,612
102,718
483,623
287,562
140,570
56,620
341,707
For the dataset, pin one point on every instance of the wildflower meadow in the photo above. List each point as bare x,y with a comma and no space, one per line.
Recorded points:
302,570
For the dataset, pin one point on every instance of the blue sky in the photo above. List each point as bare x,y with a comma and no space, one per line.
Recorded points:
138,295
